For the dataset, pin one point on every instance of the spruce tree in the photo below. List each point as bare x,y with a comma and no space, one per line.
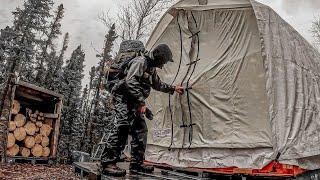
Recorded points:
44,58
30,23
86,109
97,112
72,125
54,73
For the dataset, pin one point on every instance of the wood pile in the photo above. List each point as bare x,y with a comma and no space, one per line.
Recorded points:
29,133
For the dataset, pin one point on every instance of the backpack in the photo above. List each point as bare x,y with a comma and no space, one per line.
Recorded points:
129,50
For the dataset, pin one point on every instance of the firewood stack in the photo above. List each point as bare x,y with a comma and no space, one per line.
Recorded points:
29,133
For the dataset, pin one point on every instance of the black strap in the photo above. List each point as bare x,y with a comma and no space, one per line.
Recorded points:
194,63
174,79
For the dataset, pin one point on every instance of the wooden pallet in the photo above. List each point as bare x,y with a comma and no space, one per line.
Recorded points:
31,160
87,170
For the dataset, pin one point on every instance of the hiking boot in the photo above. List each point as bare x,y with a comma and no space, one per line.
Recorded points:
140,168
113,170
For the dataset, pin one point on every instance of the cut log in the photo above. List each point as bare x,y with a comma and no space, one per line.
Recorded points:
20,120
25,152
30,128
29,112
11,140
33,119
20,133
51,116
49,122
34,116
37,129
12,126
41,114
29,142
37,150
13,151
46,152
36,112
45,130
45,141
15,107
39,124
38,139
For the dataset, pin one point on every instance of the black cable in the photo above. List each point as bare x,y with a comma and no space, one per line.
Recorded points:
174,79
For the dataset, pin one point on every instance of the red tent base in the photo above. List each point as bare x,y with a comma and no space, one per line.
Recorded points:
273,169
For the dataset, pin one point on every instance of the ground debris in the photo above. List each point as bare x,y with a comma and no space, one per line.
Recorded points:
36,172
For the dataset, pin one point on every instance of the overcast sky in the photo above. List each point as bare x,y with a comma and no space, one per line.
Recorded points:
84,27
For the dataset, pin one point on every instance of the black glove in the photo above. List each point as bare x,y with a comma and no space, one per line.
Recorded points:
149,114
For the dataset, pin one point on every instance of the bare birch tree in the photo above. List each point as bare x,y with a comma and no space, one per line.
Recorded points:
137,18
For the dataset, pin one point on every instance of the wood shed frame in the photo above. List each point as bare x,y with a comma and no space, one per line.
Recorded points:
39,94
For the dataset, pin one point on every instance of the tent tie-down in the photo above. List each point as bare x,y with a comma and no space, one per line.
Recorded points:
192,65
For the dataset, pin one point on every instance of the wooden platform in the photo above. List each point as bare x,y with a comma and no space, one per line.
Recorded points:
31,160
90,171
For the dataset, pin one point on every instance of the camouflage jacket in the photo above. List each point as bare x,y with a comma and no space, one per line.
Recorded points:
141,78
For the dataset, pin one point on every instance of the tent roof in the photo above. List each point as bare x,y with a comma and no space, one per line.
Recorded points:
210,4
195,5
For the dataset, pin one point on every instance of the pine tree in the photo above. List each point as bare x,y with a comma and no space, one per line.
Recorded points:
86,140
44,58
6,36
72,125
83,100
54,73
97,112
29,25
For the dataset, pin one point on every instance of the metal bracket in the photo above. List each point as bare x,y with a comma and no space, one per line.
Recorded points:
193,62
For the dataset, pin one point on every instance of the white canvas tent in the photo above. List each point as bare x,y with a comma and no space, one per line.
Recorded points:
255,93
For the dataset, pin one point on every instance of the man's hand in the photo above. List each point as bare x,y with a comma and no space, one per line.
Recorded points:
179,89
142,109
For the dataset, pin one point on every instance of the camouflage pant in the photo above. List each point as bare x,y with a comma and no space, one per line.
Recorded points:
126,121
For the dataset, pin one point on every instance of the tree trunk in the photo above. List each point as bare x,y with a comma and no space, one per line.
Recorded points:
46,152
13,151
37,150
20,133
38,139
45,141
30,128
39,124
29,142
20,120
15,107
45,130
12,126
11,140
25,152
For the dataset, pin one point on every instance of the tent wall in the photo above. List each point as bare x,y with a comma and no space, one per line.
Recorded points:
293,86
256,89
228,101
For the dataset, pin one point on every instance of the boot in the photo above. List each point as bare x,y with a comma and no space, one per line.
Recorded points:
113,170
140,168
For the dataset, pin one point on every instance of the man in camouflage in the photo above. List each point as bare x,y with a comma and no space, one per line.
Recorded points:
129,95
